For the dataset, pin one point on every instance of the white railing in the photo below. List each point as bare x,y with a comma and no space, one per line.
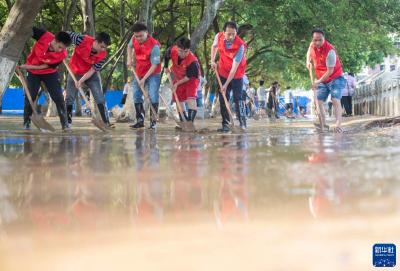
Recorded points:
378,95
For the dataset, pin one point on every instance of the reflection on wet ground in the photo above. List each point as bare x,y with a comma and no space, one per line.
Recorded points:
279,197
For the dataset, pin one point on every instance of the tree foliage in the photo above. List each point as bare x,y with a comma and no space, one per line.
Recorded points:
277,31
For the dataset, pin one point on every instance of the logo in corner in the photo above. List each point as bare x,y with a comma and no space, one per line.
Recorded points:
384,255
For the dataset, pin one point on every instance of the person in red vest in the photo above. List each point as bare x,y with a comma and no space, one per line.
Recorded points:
231,68
185,70
86,62
47,53
329,74
144,59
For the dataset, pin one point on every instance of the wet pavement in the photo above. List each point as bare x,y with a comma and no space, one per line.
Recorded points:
279,197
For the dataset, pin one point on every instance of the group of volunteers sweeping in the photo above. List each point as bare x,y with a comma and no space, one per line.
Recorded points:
181,66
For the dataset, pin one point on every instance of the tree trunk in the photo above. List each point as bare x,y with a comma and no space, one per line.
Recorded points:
13,36
88,28
88,17
69,14
206,21
207,65
122,34
9,4
145,14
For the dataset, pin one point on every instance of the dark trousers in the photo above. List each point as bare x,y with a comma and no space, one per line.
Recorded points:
235,87
272,105
53,85
347,103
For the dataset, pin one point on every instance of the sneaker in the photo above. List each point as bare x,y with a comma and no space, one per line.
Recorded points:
27,125
110,125
224,129
67,128
138,125
153,125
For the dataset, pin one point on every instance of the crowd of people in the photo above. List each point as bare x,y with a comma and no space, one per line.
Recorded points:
184,73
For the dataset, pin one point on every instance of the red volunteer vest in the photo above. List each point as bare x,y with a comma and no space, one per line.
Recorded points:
179,70
226,57
81,60
319,56
142,55
40,54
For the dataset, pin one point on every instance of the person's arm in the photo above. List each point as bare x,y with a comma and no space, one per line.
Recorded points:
86,76
131,61
95,68
76,38
33,67
309,65
308,58
40,50
214,50
191,72
238,58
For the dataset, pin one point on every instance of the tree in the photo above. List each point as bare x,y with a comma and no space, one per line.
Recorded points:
208,17
13,36
88,17
277,32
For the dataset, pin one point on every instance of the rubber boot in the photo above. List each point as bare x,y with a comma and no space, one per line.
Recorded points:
153,116
140,114
102,111
69,113
62,114
192,115
241,114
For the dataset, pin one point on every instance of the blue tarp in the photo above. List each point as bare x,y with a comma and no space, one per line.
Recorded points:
13,99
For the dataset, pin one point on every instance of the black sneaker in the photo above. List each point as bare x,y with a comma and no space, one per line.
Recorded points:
138,125
67,129
224,129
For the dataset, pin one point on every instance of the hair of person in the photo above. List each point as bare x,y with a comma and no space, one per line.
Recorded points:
138,27
261,82
275,83
230,24
103,37
183,43
64,38
288,87
318,30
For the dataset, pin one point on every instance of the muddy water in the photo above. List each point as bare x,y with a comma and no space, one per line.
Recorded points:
279,197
